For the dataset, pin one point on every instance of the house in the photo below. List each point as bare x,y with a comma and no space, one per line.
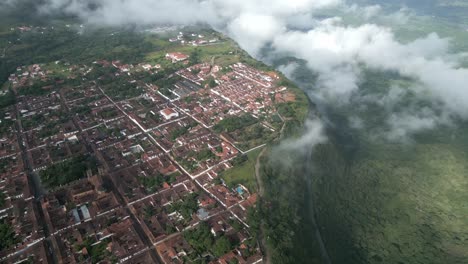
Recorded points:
217,228
147,67
169,113
176,57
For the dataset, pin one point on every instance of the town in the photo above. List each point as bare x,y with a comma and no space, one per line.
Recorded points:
129,160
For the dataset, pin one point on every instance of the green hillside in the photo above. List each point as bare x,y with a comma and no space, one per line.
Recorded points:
381,201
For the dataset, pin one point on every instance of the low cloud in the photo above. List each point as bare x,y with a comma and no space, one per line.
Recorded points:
403,125
338,53
253,31
314,135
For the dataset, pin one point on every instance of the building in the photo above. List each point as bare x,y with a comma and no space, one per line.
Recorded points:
169,113
176,57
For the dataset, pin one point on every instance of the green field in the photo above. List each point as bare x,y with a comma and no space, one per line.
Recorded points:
243,174
224,52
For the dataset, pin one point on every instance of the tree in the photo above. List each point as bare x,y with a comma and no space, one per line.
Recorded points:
68,171
7,99
7,236
240,159
231,124
205,154
195,56
221,246
187,206
2,199
212,83
200,239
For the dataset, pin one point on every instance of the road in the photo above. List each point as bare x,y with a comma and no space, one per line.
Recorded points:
261,187
261,192
136,224
33,181
308,172
5,50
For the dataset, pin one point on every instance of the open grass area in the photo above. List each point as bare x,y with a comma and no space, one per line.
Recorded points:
245,173
59,70
226,60
223,51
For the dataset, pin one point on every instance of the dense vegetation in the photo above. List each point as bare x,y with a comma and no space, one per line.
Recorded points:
180,131
7,99
202,240
401,203
187,207
68,171
7,235
62,42
152,183
96,250
285,211
231,124
2,199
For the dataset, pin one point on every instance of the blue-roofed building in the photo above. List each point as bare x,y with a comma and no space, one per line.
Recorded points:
85,212
202,214
240,190
76,216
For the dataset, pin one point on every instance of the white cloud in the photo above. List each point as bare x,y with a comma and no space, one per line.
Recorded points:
253,31
183,11
338,52
314,135
366,12
289,69
403,125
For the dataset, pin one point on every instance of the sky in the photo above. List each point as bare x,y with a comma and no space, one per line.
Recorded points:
338,52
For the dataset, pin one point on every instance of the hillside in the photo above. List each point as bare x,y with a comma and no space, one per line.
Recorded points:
381,201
